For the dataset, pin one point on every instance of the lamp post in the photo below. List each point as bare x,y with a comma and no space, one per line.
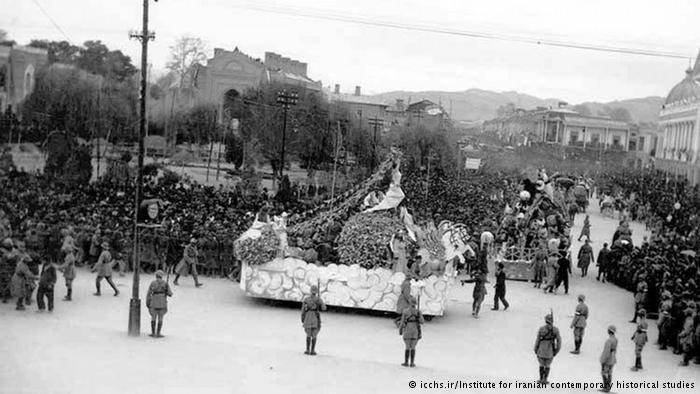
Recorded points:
286,100
135,303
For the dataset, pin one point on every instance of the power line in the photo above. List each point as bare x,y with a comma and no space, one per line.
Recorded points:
324,15
52,21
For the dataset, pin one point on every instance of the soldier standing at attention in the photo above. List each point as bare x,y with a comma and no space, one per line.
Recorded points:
311,318
579,323
157,302
547,345
640,339
104,269
410,329
608,359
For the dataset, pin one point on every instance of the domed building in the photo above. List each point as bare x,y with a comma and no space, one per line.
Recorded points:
679,128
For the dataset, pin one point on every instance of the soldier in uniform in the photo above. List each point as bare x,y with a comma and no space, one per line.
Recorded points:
664,321
547,345
603,259
410,329
579,322
686,336
640,339
188,263
104,269
404,298
608,359
68,268
311,310
157,302
500,287
640,296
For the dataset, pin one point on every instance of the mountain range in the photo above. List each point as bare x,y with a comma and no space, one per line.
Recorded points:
478,104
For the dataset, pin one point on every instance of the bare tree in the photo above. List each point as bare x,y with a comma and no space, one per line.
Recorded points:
185,54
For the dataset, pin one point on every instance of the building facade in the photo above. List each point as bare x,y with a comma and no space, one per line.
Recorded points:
679,128
363,110
561,126
18,66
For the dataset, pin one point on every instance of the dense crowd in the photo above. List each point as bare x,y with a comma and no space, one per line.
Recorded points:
664,270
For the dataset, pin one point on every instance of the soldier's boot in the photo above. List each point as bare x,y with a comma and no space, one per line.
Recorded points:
541,380
406,355
313,347
69,293
153,328
686,359
413,358
160,325
20,306
577,349
97,286
308,345
637,363
176,278
546,375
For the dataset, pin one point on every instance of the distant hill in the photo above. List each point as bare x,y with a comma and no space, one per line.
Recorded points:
478,104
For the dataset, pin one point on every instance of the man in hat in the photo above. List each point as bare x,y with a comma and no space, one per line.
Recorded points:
640,339
664,321
602,262
579,323
410,329
104,269
500,287
404,300
188,263
311,309
547,345
157,302
608,359
640,296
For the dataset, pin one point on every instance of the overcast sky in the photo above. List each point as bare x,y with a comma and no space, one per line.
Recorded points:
383,59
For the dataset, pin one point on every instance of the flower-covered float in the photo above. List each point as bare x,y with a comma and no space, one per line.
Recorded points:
530,228
376,245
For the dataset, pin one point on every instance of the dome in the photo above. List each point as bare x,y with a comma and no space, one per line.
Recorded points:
687,89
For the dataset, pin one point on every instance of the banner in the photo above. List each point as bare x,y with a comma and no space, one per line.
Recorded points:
472,164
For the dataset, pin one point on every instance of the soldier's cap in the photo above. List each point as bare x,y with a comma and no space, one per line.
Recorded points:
612,329
581,297
160,274
314,289
549,318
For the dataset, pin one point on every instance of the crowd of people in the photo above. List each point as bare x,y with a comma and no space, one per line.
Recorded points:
664,271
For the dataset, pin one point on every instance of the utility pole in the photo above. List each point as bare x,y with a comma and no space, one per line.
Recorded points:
375,122
135,303
286,100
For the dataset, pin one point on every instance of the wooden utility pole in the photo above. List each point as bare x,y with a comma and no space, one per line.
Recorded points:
286,100
135,303
375,122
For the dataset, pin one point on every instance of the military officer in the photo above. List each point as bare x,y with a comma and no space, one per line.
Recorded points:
311,310
547,345
640,338
608,359
68,268
157,302
188,263
579,322
410,329
664,321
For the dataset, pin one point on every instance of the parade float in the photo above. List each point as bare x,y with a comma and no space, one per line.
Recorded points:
536,224
375,244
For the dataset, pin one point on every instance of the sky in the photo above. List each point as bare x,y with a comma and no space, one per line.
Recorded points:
383,59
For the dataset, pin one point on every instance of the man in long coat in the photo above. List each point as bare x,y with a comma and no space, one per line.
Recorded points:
157,302
579,323
547,345
585,257
19,280
188,263
602,262
311,310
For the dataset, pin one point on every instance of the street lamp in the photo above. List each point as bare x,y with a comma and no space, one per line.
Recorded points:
135,304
